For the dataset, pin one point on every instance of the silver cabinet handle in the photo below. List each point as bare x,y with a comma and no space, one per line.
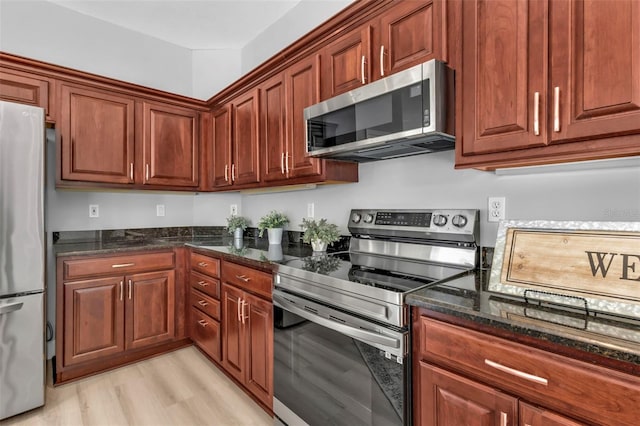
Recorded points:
226,173
203,264
286,162
517,373
282,163
122,265
556,109
147,171
503,418
536,113
362,62
203,283
382,61
202,303
239,307
203,323
243,316
121,291
11,307
131,171
130,289
233,172
243,278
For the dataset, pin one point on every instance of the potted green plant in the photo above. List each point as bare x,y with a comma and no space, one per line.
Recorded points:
319,233
236,225
274,222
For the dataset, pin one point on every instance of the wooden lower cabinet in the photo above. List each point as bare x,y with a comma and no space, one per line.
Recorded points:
534,416
104,321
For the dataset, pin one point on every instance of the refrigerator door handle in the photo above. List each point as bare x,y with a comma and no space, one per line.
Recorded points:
11,307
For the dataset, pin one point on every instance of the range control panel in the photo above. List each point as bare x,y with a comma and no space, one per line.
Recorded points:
437,224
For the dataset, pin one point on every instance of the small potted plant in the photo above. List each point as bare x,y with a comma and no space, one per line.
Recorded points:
319,233
236,225
274,222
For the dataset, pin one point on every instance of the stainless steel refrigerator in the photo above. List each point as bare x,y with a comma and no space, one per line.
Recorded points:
22,259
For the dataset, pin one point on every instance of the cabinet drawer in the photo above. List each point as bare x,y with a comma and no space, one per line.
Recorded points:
118,265
205,264
596,394
247,278
205,333
205,284
205,303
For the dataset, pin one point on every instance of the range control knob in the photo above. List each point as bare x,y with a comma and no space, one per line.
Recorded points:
440,220
459,220
355,218
368,218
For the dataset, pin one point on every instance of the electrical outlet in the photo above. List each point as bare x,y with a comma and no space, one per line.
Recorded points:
311,210
94,210
233,209
159,210
496,209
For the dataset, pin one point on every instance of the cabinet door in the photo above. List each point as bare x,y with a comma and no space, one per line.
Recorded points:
595,69
233,340
505,66
222,147
150,308
534,416
258,325
93,319
26,89
411,33
245,167
346,63
96,136
273,129
205,333
452,400
170,145
302,90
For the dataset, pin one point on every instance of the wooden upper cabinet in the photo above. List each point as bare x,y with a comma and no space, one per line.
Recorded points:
346,63
24,88
411,32
222,147
96,136
302,89
273,128
504,77
407,34
171,147
245,167
595,69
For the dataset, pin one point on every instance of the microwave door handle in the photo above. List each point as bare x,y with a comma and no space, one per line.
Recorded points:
356,333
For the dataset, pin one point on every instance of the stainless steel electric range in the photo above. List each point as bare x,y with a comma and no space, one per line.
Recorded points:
342,350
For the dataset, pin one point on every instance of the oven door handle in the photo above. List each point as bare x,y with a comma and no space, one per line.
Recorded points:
356,333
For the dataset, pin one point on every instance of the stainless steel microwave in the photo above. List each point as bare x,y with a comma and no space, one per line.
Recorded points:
400,115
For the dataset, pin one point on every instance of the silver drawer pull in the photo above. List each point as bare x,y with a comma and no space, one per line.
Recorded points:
122,265
504,419
203,264
517,373
243,278
203,283
203,323
202,303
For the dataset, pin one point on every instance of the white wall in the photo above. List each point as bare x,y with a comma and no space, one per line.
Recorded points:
213,70
50,33
429,181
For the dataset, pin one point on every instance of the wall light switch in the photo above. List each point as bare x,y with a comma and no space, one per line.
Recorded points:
233,209
311,210
159,209
94,210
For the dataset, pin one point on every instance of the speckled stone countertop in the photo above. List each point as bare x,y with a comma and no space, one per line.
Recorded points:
466,298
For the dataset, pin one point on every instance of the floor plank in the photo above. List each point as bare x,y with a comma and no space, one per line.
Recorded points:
179,388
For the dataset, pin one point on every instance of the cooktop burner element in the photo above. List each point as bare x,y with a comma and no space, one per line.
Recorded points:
391,253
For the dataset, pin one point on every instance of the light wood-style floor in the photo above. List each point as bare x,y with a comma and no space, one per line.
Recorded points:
179,388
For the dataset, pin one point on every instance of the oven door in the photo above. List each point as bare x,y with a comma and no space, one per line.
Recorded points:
333,368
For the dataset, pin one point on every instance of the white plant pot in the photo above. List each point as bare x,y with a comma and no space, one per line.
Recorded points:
274,253
238,233
318,245
275,235
238,243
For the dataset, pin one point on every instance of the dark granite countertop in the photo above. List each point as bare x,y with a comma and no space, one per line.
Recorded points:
466,298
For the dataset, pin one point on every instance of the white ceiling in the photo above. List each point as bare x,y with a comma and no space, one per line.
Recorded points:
193,24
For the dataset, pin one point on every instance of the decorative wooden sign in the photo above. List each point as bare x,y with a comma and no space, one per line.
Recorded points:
593,265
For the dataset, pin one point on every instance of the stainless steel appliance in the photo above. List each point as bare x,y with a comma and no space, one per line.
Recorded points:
22,266
403,114
342,349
